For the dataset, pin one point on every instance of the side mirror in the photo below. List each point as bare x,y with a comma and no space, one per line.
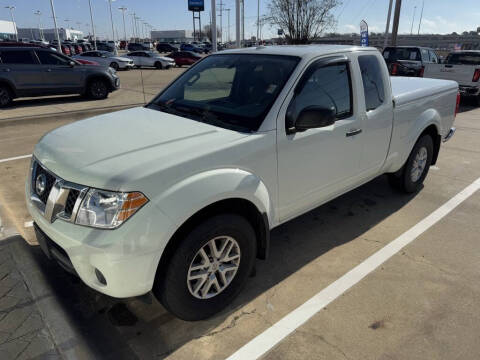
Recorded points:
71,63
313,117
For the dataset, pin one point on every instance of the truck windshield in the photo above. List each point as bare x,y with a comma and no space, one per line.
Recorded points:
464,59
395,54
234,91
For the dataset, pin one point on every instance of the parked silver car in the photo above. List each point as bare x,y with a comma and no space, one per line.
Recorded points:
151,59
107,58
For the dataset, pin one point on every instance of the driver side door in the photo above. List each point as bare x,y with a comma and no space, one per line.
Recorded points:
318,164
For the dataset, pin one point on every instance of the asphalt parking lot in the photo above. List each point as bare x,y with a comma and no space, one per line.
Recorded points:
421,303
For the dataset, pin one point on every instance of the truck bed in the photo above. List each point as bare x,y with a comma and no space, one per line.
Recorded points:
408,89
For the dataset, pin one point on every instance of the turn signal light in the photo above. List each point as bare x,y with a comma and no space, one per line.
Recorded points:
132,203
422,71
457,107
394,69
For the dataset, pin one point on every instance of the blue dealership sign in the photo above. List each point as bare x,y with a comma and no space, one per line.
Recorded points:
196,5
364,33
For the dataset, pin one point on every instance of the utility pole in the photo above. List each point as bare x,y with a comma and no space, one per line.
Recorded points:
243,21
413,20
421,17
111,18
59,47
93,25
396,21
387,30
237,24
11,8
213,27
123,9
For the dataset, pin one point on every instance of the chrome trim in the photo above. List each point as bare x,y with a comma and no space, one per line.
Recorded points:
450,134
54,208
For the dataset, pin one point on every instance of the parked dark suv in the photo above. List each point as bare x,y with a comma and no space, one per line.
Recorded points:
38,72
408,60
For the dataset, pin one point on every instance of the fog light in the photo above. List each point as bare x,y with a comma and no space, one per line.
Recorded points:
100,277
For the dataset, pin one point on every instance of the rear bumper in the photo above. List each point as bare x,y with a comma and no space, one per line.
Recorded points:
469,90
450,134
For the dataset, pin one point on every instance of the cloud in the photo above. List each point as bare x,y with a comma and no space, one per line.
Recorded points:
351,28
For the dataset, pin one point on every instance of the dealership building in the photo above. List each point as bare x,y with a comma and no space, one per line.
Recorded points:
49,34
172,35
7,30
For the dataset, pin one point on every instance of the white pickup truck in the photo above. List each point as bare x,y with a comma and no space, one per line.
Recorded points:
179,197
462,67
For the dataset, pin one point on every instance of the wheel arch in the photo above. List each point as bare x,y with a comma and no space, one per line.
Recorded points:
434,133
10,86
239,206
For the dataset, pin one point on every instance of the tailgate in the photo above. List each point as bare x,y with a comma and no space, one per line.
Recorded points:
462,74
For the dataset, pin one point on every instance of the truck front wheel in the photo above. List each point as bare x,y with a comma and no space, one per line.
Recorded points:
208,269
414,172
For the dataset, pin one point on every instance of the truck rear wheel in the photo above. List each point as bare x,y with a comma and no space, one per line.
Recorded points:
414,172
208,269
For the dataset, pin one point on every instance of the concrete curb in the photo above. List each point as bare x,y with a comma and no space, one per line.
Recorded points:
75,115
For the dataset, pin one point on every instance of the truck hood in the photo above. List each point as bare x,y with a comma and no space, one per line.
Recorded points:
114,150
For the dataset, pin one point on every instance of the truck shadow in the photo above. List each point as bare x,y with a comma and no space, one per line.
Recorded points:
140,328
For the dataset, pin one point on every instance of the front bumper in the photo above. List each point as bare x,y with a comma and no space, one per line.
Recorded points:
125,65
127,257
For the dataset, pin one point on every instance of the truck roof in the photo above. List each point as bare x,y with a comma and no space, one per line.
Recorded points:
304,51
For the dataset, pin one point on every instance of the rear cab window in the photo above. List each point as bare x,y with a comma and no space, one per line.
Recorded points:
373,85
391,54
463,59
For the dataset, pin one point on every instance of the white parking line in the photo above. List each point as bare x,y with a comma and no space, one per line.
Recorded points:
288,324
15,158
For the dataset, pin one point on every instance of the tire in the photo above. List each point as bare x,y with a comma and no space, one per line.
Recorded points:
410,178
97,89
159,65
5,96
177,293
114,66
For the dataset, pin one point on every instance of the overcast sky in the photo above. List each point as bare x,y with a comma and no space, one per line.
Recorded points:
440,16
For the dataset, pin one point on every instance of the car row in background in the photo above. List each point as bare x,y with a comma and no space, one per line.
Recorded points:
150,59
107,59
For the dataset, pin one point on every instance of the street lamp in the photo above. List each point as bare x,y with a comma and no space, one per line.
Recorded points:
11,8
93,25
40,32
133,15
111,18
123,9
59,47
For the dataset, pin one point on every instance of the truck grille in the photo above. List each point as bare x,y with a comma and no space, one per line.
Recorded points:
39,171
53,196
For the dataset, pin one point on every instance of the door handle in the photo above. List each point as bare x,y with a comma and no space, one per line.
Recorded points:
353,132
49,70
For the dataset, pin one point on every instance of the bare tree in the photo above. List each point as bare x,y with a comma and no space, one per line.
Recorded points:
302,20
208,32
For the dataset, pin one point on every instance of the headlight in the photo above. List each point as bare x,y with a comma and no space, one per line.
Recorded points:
107,209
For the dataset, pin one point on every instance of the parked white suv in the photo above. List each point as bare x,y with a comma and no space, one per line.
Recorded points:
179,197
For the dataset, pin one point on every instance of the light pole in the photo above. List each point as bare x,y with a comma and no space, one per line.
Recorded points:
413,20
111,18
123,9
213,27
237,24
11,8
39,14
258,22
133,27
59,47
421,17
228,23
388,24
93,25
